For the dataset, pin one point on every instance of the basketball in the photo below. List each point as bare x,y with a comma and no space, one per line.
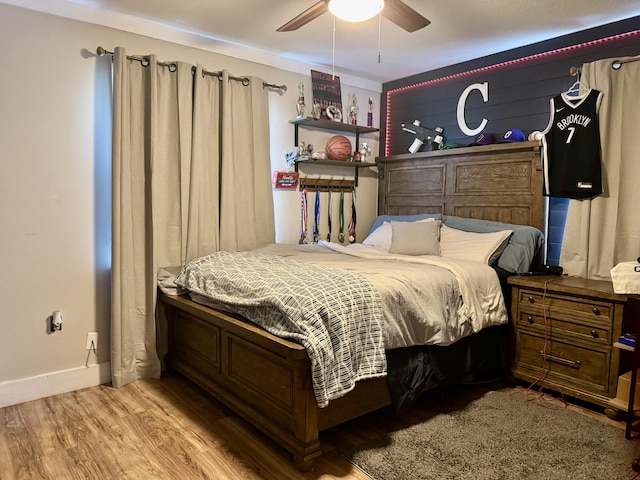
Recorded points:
338,148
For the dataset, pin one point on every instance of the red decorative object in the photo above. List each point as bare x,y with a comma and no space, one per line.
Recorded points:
288,180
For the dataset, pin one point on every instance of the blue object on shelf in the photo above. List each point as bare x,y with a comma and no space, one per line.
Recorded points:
628,339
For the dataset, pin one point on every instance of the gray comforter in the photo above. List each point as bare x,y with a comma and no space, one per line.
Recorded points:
346,305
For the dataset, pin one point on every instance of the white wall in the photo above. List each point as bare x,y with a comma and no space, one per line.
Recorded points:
55,189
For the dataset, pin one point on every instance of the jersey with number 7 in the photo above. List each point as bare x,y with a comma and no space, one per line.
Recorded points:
571,153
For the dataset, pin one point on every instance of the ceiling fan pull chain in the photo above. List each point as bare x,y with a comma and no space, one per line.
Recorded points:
333,51
379,28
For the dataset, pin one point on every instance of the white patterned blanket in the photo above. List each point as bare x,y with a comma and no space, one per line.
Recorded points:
335,314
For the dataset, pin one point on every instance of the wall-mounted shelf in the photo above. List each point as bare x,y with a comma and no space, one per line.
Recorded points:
322,124
338,163
330,125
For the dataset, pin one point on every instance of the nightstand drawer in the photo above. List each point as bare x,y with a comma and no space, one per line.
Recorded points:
568,364
568,308
597,333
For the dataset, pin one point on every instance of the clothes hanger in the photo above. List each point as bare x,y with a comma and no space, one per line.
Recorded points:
574,90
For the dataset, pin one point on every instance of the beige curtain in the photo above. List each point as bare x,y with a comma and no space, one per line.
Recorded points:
246,219
604,231
168,203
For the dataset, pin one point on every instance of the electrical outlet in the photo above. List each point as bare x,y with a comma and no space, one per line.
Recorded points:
55,321
92,337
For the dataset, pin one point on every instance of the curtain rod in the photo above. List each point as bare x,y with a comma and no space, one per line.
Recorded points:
100,51
616,64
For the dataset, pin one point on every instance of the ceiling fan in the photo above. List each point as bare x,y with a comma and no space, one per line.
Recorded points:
395,10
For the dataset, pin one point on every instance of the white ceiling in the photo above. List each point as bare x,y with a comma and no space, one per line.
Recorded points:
460,30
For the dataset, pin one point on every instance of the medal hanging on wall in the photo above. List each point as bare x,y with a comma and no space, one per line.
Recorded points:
352,223
303,218
329,215
316,217
341,217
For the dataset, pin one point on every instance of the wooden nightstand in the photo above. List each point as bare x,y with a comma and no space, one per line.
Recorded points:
574,345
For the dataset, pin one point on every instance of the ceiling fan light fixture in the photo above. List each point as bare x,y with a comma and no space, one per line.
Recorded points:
356,10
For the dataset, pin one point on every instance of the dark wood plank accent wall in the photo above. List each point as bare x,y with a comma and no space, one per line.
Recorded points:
521,82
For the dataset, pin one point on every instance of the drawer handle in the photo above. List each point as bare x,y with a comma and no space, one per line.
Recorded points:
560,360
530,319
594,334
532,300
596,311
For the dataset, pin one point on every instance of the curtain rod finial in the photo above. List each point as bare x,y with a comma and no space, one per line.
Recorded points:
101,51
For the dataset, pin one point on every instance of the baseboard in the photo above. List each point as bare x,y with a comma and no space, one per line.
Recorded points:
53,383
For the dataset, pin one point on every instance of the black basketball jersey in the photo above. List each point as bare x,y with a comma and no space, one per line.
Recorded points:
571,147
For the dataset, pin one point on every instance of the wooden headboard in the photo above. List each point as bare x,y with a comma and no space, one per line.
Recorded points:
500,182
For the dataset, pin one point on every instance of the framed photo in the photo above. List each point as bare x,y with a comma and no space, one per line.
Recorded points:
326,93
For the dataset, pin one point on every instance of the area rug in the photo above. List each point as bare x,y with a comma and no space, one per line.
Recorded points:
501,436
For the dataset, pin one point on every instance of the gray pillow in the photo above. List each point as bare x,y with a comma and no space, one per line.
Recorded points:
415,238
380,219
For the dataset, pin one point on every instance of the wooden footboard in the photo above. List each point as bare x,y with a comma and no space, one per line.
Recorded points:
263,378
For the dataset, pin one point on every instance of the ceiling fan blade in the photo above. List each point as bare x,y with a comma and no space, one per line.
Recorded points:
403,15
305,17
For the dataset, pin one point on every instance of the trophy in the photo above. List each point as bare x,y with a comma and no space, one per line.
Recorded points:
353,110
300,106
370,113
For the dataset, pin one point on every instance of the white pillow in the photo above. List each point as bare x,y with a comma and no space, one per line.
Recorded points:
478,247
383,235
415,238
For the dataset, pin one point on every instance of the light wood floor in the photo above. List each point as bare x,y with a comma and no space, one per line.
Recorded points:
170,429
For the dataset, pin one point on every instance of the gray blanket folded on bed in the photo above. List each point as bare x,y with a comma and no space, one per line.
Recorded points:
335,314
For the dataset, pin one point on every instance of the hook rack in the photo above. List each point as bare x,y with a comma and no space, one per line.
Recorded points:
327,184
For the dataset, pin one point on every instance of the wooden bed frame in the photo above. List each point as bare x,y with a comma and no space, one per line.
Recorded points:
266,379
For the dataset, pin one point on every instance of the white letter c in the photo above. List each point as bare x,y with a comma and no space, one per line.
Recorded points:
484,89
